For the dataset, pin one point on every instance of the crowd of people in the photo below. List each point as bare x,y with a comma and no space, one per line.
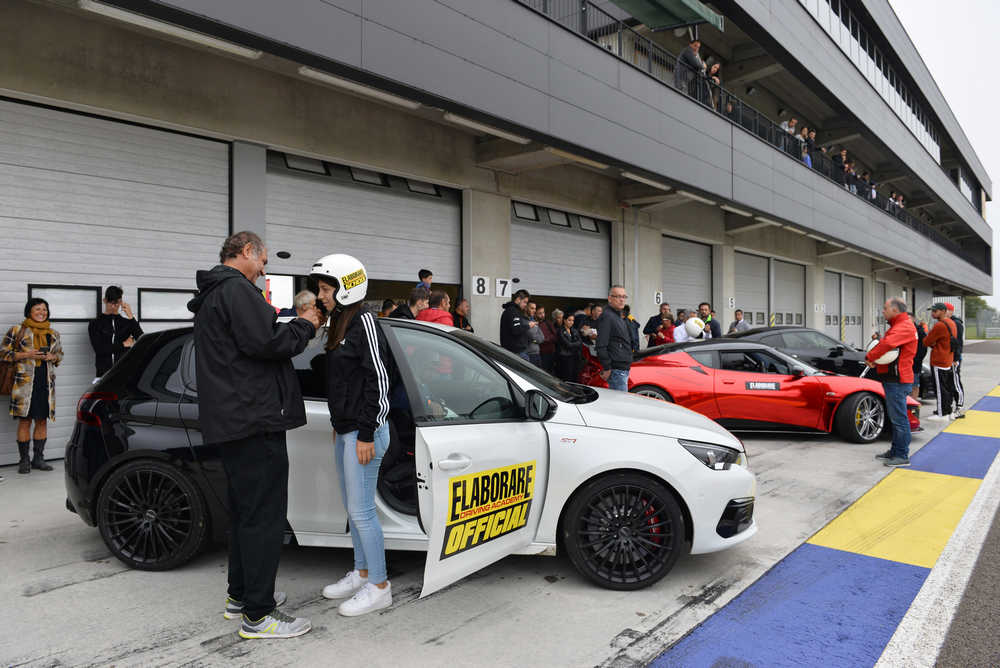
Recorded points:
702,80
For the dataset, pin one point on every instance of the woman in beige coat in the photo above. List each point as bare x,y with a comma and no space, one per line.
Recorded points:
36,350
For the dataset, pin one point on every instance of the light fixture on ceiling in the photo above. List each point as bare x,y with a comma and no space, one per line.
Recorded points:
762,219
355,87
733,209
168,29
488,129
648,182
751,90
782,111
680,32
696,198
576,158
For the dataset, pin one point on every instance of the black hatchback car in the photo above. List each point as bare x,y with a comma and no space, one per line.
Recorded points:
821,351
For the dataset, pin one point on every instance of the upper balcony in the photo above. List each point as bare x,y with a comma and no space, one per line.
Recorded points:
758,91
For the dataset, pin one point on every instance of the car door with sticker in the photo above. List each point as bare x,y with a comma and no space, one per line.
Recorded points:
482,466
755,387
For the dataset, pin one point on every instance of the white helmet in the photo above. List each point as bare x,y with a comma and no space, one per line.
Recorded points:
346,274
695,327
887,358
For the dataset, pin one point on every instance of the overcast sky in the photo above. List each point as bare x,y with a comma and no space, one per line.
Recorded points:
958,41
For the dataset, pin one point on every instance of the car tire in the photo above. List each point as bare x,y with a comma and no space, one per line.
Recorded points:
652,391
152,516
861,418
623,531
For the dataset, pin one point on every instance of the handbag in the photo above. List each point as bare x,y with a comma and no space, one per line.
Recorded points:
7,371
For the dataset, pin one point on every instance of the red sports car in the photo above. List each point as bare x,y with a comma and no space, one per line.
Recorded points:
747,386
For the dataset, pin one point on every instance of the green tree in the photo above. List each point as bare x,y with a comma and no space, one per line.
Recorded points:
973,305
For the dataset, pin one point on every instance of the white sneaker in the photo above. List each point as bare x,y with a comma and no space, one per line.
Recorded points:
939,418
345,586
368,599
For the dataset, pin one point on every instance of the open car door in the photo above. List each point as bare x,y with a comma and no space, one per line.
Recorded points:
482,466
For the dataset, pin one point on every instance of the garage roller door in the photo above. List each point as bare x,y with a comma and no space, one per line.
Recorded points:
92,202
853,310
751,288
394,231
831,318
789,293
687,273
559,254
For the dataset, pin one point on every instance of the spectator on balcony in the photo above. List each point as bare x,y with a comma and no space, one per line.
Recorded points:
731,112
789,125
806,158
840,167
811,141
689,72
715,83
852,177
804,135
890,204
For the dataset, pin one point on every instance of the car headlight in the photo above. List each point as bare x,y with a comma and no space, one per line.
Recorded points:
715,457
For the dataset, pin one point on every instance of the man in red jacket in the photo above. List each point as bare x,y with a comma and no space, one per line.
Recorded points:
939,342
437,309
897,377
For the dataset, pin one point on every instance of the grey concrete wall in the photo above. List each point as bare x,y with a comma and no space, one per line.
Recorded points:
502,60
485,252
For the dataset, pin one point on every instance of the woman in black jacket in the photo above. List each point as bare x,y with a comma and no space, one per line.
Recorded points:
358,373
569,347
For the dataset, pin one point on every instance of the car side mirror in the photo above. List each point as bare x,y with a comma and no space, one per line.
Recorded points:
837,352
798,373
539,406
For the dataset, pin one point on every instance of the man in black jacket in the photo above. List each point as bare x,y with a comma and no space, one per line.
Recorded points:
614,341
956,367
414,305
248,397
656,322
515,326
111,333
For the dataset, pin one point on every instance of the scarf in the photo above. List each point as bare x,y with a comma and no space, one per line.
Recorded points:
41,331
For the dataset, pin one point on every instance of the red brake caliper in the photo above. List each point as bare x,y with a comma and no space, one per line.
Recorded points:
653,520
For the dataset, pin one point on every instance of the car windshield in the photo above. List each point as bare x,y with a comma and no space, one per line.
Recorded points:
572,393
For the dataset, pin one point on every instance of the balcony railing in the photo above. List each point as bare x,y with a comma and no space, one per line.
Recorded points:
593,23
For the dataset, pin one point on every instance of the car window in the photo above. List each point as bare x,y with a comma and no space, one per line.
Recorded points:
738,360
768,363
806,339
705,358
162,376
452,381
775,341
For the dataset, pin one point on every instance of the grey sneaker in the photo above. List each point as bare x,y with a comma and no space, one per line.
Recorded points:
234,608
897,461
885,455
275,624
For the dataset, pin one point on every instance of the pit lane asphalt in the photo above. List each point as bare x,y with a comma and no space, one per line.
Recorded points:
68,602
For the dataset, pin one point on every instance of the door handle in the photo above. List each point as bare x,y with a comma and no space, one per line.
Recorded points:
729,382
454,463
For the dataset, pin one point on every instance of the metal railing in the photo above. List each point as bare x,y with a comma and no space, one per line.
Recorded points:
590,21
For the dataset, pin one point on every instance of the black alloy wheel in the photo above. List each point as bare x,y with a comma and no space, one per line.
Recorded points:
151,516
623,531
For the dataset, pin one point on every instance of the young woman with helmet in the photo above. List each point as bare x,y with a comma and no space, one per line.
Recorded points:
358,379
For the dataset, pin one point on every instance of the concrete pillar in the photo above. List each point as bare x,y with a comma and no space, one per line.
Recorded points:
643,266
724,283
248,192
815,296
868,325
485,252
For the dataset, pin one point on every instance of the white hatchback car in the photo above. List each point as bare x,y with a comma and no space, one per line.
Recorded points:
488,456
506,459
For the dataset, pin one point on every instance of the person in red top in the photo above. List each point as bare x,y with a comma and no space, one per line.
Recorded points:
942,359
897,377
437,309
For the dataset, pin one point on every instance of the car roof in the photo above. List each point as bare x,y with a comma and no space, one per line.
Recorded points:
724,343
765,330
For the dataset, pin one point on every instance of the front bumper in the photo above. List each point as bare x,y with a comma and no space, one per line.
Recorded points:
736,518
723,517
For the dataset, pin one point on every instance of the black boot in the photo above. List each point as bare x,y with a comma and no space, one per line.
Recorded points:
39,461
23,466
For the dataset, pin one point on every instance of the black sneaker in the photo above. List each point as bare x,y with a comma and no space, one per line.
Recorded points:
885,455
896,462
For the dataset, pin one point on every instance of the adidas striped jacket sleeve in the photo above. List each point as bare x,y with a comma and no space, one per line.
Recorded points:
375,408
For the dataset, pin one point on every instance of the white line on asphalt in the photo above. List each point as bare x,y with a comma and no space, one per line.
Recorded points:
922,632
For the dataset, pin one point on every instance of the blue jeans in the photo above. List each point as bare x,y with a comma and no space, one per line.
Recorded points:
357,487
895,404
618,380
